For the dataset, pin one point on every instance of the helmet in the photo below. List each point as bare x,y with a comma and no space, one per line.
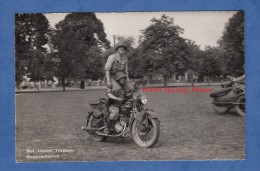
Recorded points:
119,75
121,44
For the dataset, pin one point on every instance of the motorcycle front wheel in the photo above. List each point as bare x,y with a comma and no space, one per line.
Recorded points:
240,107
96,123
146,136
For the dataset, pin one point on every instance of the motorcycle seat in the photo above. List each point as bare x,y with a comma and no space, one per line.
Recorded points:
220,92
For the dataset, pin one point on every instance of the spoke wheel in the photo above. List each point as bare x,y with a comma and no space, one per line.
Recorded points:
96,123
241,108
146,135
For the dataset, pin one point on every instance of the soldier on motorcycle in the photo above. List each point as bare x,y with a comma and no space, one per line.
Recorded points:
115,63
115,100
240,80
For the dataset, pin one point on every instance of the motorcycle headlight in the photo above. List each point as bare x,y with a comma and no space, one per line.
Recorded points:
144,99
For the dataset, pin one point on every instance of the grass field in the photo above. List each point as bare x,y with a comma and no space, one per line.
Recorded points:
48,128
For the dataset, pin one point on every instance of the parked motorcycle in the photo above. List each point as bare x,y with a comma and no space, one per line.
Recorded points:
133,120
232,96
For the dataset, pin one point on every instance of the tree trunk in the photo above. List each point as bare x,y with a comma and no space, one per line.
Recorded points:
165,80
37,85
18,85
82,84
63,84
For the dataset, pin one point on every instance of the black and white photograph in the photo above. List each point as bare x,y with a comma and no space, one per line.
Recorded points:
130,86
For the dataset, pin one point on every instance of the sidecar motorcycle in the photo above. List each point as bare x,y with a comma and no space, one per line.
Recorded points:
232,96
133,121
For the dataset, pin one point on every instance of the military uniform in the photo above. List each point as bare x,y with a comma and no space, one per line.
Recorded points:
114,104
114,64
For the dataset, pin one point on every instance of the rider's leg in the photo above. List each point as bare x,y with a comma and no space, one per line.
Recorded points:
107,125
114,111
105,108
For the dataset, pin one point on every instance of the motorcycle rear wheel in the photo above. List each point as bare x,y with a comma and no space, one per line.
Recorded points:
142,138
240,109
96,123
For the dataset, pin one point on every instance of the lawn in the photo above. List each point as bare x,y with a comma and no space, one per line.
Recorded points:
48,128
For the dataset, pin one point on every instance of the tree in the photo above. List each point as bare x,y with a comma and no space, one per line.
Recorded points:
129,41
136,64
76,43
210,65
164,50
232,45
30,37
36,66
195,58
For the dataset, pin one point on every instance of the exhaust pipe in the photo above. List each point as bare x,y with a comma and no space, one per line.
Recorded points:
84,128
89,130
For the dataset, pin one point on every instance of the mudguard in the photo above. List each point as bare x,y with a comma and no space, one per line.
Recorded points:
242,94
221,92
151,114
228,97
141,115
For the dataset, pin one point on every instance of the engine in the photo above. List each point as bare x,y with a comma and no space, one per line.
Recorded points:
119,126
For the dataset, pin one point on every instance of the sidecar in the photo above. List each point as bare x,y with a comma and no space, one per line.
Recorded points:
224,98
228,98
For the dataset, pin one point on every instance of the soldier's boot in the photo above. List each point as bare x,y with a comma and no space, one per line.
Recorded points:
108,125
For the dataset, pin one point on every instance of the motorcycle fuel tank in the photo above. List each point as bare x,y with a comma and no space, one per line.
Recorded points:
125,109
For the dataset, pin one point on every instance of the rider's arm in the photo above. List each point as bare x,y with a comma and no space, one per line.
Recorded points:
111,96
126,70
108,76
239,78
108,66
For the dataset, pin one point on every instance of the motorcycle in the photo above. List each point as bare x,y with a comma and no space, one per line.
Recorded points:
232,96
133,120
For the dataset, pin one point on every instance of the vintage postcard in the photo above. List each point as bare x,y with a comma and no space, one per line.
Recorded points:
123,85
180,78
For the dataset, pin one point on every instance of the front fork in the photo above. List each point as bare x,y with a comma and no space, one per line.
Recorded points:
143,116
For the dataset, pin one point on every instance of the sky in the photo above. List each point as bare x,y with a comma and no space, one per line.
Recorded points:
205,28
